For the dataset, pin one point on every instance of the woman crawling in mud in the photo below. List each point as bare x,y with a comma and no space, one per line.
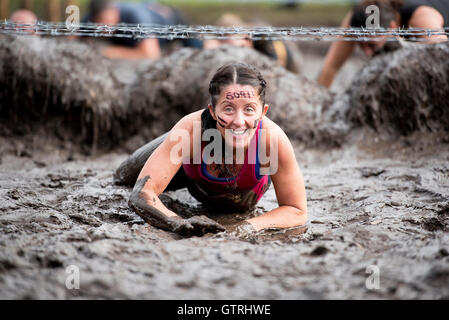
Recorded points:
247,153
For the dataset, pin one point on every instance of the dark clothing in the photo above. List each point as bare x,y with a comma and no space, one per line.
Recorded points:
410,6
136,14
147,13
279,51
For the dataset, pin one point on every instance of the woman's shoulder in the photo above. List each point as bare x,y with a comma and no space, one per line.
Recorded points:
189,121
273,136
184,130
272,128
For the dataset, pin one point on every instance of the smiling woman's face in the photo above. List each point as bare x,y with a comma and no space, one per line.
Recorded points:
238,111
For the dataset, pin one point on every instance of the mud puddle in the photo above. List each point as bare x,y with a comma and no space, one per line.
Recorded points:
372,204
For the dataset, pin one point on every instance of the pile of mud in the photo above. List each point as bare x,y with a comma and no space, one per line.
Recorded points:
404,91
71,90
371,215
65,89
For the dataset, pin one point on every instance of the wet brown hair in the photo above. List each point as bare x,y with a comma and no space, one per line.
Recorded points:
236,73
388,9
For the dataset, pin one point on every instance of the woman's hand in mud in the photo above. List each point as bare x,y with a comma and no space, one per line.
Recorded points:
244,230
196,226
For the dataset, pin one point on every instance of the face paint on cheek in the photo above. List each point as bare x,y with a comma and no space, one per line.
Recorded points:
221,122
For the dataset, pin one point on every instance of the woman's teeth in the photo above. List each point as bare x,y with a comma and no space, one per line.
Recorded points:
238,132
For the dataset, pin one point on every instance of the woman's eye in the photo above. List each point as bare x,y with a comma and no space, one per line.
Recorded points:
249,109
228,109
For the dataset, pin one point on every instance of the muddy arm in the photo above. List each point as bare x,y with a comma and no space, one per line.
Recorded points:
169,221
139,203
158,171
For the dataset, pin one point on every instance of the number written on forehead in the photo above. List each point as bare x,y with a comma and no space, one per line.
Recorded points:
239,94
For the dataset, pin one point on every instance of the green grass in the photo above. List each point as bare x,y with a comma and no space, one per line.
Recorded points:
207,13
270,14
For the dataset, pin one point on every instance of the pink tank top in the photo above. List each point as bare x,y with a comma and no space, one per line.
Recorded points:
248,185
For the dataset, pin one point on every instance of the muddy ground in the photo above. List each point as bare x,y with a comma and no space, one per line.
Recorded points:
376,202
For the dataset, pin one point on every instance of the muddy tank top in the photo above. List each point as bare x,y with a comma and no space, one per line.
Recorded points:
241,192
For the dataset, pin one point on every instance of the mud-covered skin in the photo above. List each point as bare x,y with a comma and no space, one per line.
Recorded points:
243,230
198,226
194,226
153,216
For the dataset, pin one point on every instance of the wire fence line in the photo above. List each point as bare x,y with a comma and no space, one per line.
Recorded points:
173,32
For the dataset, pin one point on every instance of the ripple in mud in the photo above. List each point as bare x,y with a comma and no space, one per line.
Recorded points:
319,251
438,223
396,220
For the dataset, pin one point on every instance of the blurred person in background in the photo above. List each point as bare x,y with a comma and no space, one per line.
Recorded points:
229,20
110,12
280,51
26,17
394,14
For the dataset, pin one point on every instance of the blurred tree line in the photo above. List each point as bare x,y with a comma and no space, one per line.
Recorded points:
206,12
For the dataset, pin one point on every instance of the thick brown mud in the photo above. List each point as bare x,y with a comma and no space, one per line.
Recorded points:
379,201
72,92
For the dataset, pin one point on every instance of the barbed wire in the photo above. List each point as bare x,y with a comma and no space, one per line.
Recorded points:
173,32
